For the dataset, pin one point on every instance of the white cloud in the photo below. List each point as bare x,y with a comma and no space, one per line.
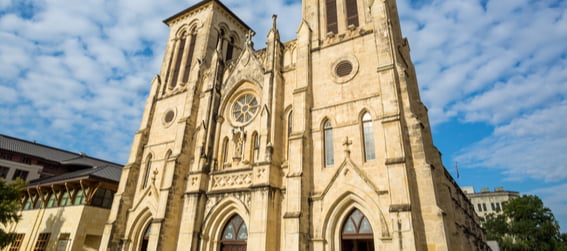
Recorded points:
76,72
532,145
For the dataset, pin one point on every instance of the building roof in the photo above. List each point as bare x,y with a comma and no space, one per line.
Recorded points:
50,153
201,3
107,173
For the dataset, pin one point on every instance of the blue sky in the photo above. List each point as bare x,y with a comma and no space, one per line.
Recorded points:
75,75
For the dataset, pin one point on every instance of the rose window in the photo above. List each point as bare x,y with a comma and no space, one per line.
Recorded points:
244,108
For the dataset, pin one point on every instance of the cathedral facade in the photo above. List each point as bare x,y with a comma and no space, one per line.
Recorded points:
319,143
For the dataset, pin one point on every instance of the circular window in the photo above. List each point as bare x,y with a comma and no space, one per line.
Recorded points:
169,116
244,108
344,68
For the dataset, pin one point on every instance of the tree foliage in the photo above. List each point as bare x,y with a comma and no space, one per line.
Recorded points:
10,198
524,225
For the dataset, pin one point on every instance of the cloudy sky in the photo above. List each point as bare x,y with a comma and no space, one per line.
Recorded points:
493,73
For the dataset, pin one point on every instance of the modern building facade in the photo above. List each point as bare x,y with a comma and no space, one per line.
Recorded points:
66,212
489,202
67,199
29,160
319,143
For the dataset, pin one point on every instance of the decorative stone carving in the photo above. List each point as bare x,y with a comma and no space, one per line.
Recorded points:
226,181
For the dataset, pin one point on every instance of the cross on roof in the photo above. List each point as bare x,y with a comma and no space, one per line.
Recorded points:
346,144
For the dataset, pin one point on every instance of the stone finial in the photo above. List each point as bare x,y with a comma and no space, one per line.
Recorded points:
154,176
274,17
346,144
249,36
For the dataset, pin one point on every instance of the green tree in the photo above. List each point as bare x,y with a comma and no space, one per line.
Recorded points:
524,225
10,198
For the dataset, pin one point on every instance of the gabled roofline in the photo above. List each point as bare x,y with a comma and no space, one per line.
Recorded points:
201,3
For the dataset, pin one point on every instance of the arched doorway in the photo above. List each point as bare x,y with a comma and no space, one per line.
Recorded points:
145,238
234,235
357,233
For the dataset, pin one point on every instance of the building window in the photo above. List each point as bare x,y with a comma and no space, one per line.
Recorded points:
65,199
26,160
492,206
235,234
352,13
178,58
498,207
41,243
4,172
244,108
20,174
27,203
368,138
52,202
479,207
102,198
255,146
230,49
6,156
146,238
224,154
37,201
332,26
357,232
484,207
289,130
63,242
147,171
17,243
328,144
80,196
189,61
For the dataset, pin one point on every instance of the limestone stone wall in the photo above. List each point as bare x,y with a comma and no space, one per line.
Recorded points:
245,135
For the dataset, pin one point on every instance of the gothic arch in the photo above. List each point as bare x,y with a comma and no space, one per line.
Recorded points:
235,91
366,110
336,214
166,158
140,224
182,31
194,26
217,218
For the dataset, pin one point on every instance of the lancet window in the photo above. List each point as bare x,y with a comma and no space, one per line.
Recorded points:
368,137
328,144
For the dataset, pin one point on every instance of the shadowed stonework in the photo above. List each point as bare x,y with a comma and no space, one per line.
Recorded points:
319,143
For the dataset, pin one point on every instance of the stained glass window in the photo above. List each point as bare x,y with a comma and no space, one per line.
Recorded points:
235,229
356,224
328,144
368,137
244,108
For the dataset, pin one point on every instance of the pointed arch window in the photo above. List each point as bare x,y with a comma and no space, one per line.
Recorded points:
178,59
368,137
192,42
230,49
328,144
331,7
357,233
289,130
352,13
146,238
255,147
235,234
224,153
147,171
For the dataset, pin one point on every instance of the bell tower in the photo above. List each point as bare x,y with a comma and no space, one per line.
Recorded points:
318,143
176,135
